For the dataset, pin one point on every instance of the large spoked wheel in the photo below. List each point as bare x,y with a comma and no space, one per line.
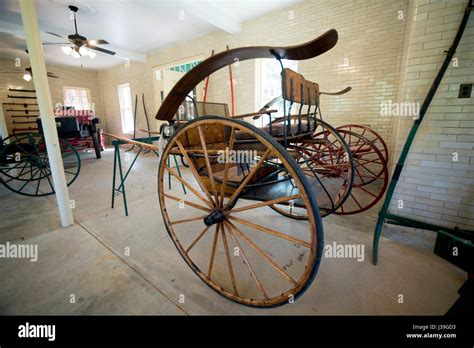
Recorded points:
223,228
25,168
371,174
326,159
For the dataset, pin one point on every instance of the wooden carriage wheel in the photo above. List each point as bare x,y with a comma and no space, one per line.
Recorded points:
370,177
24,164
326,159
224,230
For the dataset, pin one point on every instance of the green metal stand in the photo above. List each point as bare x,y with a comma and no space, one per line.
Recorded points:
384,215
118,163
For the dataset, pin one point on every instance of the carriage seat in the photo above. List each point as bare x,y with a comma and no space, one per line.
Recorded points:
295,89
277,130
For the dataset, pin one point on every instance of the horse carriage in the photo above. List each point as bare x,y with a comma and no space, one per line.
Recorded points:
295,164
24,163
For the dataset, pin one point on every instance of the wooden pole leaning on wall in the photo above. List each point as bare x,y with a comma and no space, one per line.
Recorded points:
45,104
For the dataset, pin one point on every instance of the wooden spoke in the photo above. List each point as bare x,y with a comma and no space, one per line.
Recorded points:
377,161
11,168
49,181
213,253
33,173
356,200
370,176
191,204
203,232
22,170
23,186
198,152
227,165
208,165
194,170
247,179
358,149
367,191
367,169
38,185
188,220
229,260
262,204
262,253
357,170
249,266
192,189
270,231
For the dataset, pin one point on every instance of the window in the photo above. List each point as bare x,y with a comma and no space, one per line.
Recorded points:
126,112
77,97
167,76
268,79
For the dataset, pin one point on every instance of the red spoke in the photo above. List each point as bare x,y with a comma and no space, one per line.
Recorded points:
365,190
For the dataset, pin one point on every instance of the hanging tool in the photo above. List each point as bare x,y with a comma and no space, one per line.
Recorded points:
206,86
147,121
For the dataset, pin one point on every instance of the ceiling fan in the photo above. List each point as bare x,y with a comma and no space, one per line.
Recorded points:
28,74
80,45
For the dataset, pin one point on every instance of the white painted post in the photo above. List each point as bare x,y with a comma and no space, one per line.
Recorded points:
3,124
45,104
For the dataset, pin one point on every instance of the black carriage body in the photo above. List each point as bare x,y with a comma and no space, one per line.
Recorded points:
70,127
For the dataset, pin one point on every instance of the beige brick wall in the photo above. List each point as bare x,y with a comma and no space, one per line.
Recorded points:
139,76
433,187
71,77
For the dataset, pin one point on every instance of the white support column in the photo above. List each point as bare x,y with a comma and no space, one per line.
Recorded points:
3,124
45,104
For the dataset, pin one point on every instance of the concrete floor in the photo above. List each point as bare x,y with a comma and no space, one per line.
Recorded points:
90,261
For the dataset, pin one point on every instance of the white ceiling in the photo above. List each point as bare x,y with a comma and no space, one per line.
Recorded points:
132,27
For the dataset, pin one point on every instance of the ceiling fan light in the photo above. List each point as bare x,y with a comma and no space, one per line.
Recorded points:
83,51
67,50
75,54
91,54
27,77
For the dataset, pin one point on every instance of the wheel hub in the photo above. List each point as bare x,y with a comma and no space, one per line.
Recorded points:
214,217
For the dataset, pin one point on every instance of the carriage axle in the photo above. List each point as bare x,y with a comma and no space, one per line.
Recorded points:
216,216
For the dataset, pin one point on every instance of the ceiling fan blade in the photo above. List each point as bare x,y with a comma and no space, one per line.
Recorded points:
57,35
56,43
97,42
100,49
52,75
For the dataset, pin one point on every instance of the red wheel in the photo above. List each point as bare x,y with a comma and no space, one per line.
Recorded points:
369,134
370,174
326,160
